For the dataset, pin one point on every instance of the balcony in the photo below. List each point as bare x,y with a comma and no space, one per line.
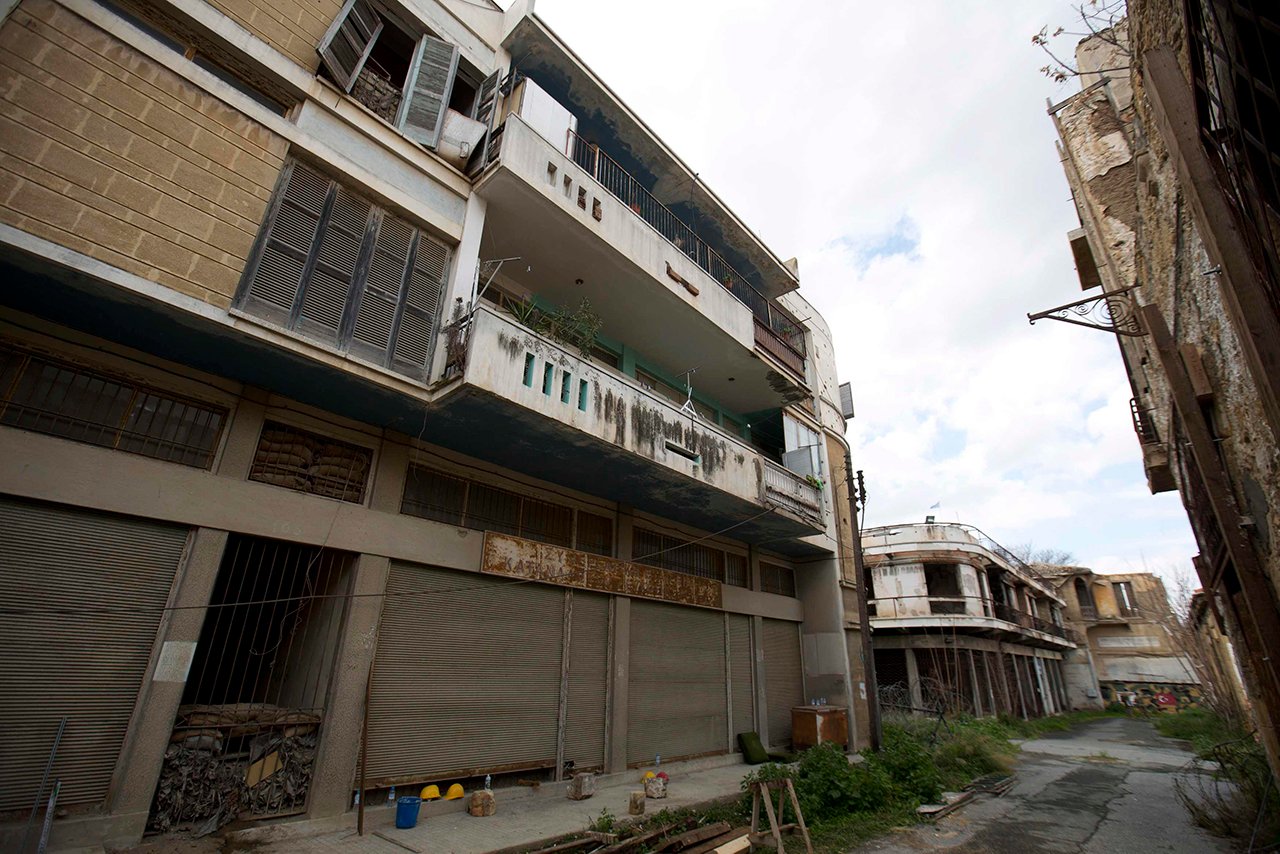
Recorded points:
525,402
641,267
972,614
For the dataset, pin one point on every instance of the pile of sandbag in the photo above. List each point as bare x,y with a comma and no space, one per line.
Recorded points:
307,463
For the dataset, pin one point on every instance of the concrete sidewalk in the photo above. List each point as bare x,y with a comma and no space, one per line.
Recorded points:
523,816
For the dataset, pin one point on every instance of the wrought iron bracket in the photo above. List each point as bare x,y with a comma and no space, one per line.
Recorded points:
1115,311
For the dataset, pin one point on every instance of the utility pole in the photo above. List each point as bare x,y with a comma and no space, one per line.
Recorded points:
858,498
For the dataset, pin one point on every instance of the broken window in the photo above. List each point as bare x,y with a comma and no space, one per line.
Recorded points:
407,76
333,266
1124,598
942,582
802,443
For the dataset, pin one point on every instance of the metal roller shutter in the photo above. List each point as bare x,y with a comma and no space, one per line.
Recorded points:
741,683
88,666
588,675
466,678
677,694
783,677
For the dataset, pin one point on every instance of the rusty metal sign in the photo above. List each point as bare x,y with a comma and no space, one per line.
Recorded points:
515,557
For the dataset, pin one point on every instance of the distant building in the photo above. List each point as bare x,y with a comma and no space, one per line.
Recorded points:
1172,153
962,625
1135,658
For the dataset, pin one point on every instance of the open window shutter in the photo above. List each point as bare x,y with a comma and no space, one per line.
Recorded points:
376,314
421,305
427,90
276,274
324,298
349,41
486,112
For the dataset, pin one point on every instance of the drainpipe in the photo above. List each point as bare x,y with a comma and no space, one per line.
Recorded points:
864,622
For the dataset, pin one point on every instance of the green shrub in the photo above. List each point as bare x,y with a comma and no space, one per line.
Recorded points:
908,765
1201,727
971,752
828,786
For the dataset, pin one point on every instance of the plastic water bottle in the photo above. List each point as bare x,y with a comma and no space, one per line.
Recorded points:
355,798
488,778
657,760
391,796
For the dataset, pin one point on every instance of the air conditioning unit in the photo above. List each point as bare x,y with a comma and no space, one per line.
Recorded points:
846,400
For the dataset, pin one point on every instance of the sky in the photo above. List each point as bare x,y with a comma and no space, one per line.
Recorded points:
903,153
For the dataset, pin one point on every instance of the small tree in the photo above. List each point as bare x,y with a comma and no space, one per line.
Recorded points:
1100,18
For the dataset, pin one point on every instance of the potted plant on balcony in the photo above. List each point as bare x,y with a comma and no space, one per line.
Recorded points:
815,481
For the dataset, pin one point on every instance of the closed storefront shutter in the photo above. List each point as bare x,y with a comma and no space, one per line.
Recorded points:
677,693
744,719
466,677
783,677
588,675
87,666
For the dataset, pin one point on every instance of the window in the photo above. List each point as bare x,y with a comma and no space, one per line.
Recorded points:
801,454
676,396
331,265
942,583
678,555
778,579
62,399
408,77
431,494
312,463
1124,598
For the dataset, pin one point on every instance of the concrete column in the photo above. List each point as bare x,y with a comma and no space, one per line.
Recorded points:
973,680
619,676
826,656
161,694
339,749
243,432
390,475
624,535
461,288
757,672
913,678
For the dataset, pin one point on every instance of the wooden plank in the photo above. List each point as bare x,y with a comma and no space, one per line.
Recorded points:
1196,373
692,837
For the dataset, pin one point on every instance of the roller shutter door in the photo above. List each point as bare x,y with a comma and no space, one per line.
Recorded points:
677,691
783,677
588,675
88,666
743,693
466,678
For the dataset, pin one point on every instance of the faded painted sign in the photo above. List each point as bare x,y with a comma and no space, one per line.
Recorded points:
520,558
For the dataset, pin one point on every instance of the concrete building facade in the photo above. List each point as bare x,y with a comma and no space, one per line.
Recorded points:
962,625
1170,150
371,415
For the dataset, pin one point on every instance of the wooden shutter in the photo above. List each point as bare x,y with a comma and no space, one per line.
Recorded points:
466,678
485,112
426,92
588,675
273,280
677,696
349,41
86,666
375,316
783,677
328,288
416,330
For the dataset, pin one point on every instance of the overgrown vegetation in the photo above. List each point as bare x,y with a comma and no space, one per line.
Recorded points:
577,328
1228,788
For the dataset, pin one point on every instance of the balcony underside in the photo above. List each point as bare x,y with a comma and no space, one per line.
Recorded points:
968,624
476,424
483,425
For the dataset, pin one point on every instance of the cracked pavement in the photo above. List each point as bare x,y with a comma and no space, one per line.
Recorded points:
1104,786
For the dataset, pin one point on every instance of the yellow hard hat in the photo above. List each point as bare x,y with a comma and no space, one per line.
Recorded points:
430,793
649,775
455,792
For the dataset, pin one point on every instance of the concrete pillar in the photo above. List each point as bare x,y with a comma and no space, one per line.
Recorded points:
619,676
391,473
339,749
825,652
461,287
973,680
161,694
758,675
913,678
624,536
243,432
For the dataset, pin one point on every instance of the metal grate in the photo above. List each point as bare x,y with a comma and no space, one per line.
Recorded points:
79,403
678,555
432,494
775,578
1234,50
308,462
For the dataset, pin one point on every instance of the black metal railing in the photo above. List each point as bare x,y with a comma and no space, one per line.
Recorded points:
622,185
1142,423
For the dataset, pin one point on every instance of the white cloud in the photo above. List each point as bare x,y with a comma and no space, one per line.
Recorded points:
829,128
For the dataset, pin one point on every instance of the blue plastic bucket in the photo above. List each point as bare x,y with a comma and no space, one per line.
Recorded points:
407,812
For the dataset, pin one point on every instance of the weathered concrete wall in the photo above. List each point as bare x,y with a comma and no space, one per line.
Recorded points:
116,157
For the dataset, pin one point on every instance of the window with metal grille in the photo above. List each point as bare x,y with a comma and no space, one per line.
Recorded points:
679,555
777,579
63,399
432,494
308,462
333,266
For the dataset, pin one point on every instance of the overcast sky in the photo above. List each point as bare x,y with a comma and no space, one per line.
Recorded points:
903,153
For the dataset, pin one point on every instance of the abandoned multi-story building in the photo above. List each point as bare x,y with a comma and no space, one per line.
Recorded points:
961,624
1129,652
1172,154
383,403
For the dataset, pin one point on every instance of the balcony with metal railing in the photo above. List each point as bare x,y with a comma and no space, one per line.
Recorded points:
971,614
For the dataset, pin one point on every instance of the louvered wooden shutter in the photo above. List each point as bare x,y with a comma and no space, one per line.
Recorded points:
349,41
486,112
416,329
375,316
328,288
275,276
427,90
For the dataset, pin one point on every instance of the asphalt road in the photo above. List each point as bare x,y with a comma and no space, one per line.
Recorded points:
1105,786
